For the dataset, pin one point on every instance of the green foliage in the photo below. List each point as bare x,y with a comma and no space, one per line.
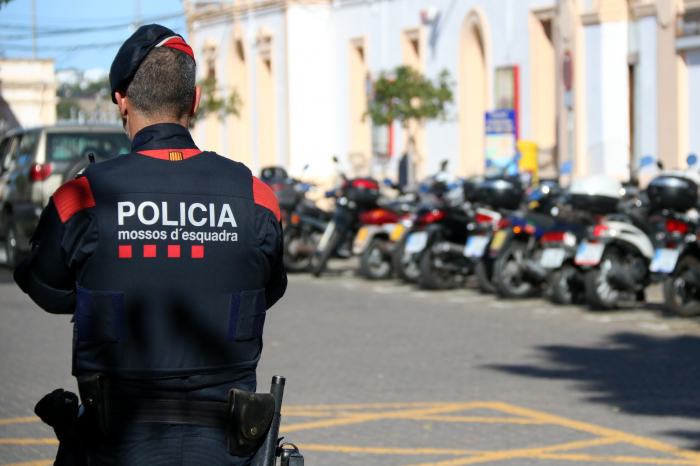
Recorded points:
90,90
406,95
212,103
4,2
63,108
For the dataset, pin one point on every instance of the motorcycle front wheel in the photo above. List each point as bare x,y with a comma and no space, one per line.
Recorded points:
484,275
681,290
600,294
405,266
563,291
375,264
509,272
320,258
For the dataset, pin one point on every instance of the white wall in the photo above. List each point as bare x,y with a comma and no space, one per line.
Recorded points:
693,62
313,93
607,99
312,69
646,113
382,23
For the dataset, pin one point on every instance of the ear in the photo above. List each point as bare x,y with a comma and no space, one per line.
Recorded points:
195,100
122,102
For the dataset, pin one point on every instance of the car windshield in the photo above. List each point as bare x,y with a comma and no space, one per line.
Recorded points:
62,147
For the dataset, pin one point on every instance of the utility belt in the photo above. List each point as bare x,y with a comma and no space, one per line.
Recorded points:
246,417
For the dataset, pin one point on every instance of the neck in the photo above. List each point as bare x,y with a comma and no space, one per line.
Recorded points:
137,122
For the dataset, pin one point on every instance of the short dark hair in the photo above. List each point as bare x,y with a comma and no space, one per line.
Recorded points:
164,84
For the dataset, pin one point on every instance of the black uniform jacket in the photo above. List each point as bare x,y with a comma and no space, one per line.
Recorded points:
169,258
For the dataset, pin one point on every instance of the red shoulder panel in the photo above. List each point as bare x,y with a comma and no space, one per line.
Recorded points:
73,196
265,197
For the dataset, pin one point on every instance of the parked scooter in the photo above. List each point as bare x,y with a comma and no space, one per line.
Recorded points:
517,272
566,282
408,236
303,221
354,197
619,250
673,194
372,242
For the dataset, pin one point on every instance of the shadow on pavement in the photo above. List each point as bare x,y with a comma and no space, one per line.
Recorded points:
637,373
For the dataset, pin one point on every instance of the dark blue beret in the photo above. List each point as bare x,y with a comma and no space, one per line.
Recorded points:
132,53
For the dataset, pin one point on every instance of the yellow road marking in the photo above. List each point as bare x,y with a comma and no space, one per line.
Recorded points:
358,418
484,420
612,459
522,452
29,441
32,463
639,441
549,456
379,406
386,451
19,420
348,414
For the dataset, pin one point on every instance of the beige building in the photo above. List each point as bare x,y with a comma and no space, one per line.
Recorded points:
598,85
27,93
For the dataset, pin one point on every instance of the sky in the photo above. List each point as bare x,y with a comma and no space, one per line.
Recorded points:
109,21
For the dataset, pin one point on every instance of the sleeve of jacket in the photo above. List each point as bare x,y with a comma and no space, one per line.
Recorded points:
271,241
59,247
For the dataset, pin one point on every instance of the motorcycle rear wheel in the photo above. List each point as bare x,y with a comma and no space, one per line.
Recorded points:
600,294
683,297
375,264
431,276
509,272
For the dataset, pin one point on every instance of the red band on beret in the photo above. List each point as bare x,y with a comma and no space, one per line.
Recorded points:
177,43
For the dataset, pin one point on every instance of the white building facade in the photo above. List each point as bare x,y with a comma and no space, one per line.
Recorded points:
27,93
599,84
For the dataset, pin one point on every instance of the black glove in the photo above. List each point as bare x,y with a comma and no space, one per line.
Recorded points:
59,409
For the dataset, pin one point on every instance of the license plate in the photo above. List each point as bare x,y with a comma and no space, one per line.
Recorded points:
326,236
476,246
552,258
397,233
664,260
360,240
589,254
416,242
498,239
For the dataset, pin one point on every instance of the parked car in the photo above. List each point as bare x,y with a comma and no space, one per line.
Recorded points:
34,162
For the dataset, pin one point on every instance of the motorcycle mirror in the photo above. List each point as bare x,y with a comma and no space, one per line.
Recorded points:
566,168
692,159
646,161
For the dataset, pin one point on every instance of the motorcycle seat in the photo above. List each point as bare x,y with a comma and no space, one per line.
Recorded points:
310,209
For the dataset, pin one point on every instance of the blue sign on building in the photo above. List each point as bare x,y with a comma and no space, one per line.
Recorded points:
500,138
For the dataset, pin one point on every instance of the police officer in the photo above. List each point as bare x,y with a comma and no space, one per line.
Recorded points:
168,259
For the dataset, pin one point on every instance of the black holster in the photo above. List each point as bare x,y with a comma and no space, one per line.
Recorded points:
94,393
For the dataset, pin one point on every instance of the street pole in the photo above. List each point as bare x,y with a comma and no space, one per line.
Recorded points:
34,29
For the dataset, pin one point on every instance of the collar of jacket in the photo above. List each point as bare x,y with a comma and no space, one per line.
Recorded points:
162,136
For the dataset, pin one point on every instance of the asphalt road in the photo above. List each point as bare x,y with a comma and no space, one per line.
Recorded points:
381,373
